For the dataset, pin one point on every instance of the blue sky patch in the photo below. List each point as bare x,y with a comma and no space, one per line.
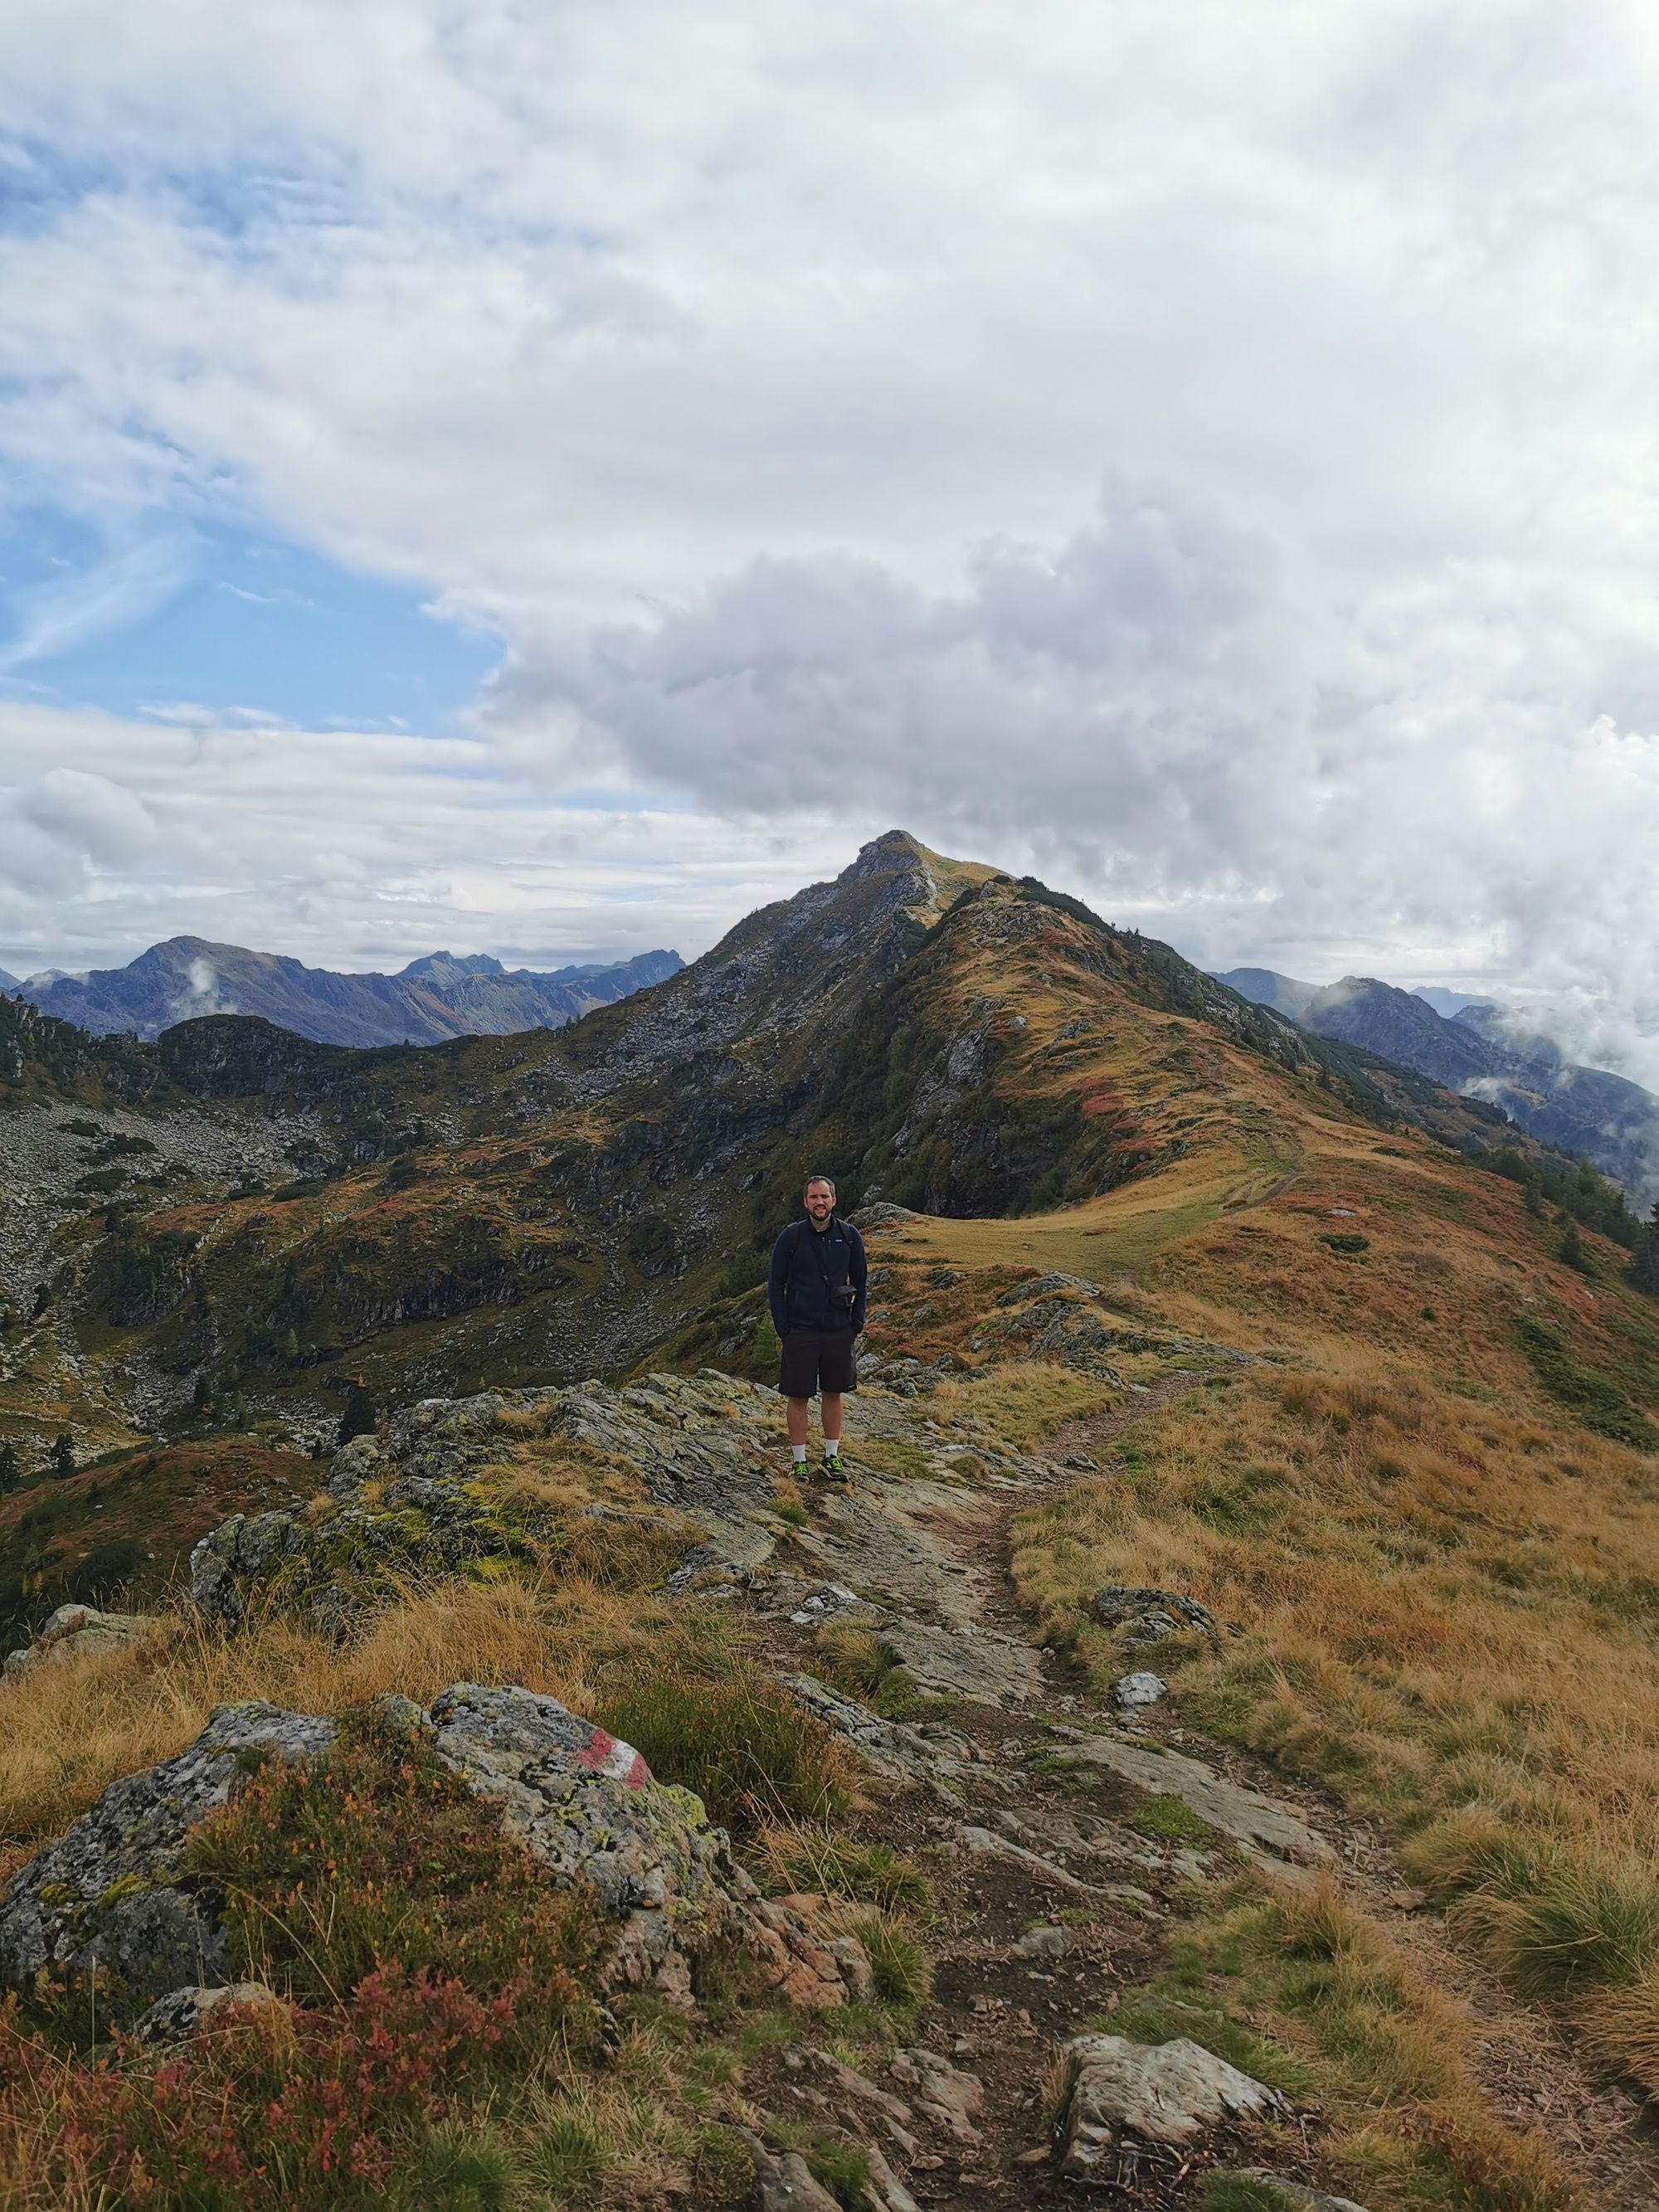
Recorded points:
218,619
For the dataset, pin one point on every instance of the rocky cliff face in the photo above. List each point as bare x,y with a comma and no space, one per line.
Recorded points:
187,978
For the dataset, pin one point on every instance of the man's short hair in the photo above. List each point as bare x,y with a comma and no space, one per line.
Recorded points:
812,1179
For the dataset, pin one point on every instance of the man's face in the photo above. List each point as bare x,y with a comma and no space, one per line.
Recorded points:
820,1203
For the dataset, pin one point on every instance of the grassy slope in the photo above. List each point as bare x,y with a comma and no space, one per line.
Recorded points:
123,1529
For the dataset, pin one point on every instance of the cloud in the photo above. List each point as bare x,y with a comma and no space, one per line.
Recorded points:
694,353
348,849
53,619
1166,708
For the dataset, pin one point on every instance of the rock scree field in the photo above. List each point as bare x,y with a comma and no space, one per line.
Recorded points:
1205,1756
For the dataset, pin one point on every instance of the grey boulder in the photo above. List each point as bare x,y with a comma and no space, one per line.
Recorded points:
1146,1616
79,1629
1161,2093
101,1897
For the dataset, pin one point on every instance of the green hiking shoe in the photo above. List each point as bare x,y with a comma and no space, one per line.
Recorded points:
833,1465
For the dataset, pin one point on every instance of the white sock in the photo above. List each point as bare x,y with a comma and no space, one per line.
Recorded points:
798,1453
831,1447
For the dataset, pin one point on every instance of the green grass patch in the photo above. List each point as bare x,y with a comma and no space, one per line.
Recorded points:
1174,1822
1596,1400
707,1718
819,1862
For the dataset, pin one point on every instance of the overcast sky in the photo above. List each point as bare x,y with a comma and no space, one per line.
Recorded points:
542,478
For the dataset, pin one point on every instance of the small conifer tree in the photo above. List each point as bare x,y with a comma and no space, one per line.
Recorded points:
360,1417
9,1470
62,1455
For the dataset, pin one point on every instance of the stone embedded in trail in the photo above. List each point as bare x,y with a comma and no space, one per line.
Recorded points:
989,1669
1047,1942
783,2182
100,1896
985,1845
1146,1616
886,2192
940,2091
1268,1832
931,1754
1161,2093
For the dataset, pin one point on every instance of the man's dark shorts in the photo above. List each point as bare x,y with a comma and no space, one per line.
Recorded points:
816,1359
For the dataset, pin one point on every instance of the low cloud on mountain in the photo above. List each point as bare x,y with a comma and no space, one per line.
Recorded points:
1167,708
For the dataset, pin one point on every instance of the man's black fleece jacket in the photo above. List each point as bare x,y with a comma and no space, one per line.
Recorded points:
807,1264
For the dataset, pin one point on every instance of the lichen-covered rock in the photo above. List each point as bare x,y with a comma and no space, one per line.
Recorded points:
1133,1690
586,1805
183,2012
101,1898
1161,2093
236,1555
1146,1616
77,1628
588,1808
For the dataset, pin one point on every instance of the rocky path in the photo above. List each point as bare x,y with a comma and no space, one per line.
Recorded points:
1028,1807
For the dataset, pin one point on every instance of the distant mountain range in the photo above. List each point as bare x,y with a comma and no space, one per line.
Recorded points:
437,997
1609,1120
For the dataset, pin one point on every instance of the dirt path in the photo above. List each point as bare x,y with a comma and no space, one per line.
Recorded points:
1025,1807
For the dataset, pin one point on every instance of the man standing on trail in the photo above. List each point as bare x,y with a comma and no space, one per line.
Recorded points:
817,1292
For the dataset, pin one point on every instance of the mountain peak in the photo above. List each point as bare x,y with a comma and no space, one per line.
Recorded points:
934,879
451,963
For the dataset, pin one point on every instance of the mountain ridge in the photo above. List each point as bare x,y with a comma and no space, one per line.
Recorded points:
435,997
1605,1118
935,1034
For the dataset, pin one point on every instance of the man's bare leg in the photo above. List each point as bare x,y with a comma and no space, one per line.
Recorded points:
831,1416
796,1411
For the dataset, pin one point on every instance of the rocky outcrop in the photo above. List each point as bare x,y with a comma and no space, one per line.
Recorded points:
589,1809
1161,2093
102,1896
79,1629
1146,1616
434,1495
108,1895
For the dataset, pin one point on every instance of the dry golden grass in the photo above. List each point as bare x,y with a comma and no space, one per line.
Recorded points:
1447,1614
72,1726
1024,1402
